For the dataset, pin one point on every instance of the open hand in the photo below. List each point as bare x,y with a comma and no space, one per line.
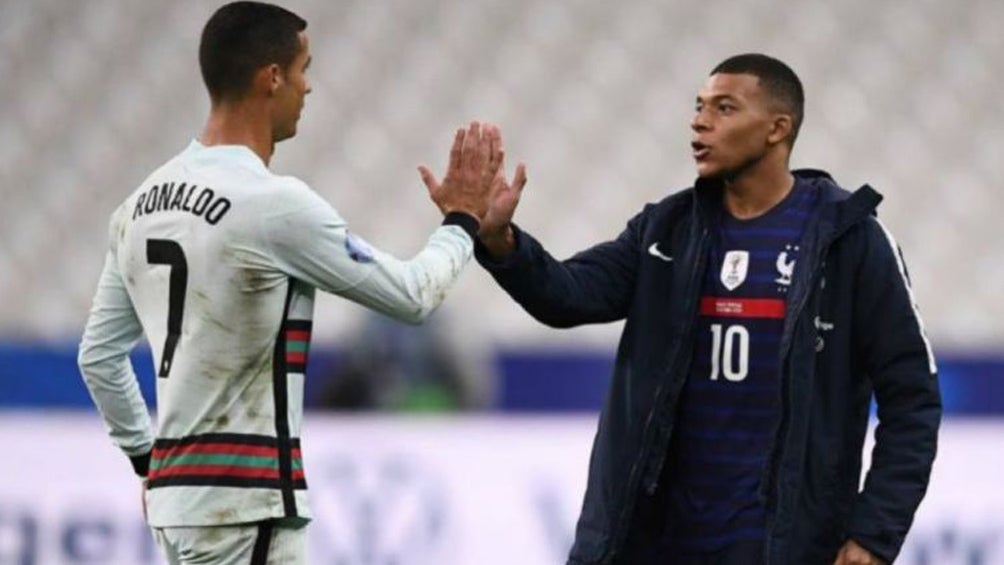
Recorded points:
504,200
496,231
475,159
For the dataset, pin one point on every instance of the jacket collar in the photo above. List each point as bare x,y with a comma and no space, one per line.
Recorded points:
839,209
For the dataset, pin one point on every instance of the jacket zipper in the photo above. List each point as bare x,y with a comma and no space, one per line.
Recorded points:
775,459
651,489
697,273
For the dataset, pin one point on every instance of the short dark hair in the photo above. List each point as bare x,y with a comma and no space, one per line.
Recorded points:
242,37
777,79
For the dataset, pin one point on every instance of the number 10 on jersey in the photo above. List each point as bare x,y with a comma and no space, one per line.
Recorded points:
730,352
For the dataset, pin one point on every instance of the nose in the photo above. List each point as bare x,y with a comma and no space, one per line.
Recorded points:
699,122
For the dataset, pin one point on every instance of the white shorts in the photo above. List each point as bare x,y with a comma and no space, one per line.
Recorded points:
263,543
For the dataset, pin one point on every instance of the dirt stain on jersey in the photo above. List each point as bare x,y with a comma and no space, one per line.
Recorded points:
216,323
217,368
224,516
205,310
257,280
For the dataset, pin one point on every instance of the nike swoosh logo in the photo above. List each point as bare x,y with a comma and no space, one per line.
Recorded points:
653,250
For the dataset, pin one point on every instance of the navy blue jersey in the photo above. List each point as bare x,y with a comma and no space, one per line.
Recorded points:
730,405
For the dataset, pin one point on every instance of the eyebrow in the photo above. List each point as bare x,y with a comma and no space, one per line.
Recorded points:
716,97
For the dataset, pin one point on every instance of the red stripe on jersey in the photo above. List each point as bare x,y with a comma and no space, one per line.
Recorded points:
296,357
772,308
296,335
226,470
216,449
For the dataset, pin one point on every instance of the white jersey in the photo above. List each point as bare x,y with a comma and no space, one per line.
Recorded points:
216,260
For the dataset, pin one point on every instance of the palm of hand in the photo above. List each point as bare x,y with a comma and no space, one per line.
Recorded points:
503,202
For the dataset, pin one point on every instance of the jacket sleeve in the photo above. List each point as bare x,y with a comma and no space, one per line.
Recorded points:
310,241
899,361
595,285
111,332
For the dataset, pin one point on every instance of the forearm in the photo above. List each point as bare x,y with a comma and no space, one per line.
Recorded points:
410,290
112,330
905,447
594,286
113,386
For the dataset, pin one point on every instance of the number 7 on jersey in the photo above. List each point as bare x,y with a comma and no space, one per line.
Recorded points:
167,252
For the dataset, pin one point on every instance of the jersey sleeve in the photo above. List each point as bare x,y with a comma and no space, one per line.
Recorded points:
311,242
111,332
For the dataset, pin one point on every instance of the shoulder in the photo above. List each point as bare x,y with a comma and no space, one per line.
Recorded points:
292,188
288,201
288,193
829,191
869,249
672,205
681,199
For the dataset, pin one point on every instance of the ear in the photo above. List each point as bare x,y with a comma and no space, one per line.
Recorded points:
269,78
780,129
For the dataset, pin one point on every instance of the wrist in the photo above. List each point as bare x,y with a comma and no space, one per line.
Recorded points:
140,464
500,243
467,221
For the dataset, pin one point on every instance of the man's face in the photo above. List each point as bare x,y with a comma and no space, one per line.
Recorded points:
290,94
733,125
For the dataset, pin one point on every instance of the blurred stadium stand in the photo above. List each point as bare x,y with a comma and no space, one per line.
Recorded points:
595,96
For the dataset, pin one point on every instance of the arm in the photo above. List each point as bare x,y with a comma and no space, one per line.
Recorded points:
595,285
313,244
111,332
898,358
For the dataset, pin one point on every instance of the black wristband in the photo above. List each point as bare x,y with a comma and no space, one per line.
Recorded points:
140,464
469,223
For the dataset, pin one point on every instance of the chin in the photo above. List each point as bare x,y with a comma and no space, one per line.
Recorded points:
284,134
708,171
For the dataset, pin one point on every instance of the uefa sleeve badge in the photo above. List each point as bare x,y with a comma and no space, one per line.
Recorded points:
358,250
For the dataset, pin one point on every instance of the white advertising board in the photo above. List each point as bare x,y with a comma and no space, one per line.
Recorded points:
485,490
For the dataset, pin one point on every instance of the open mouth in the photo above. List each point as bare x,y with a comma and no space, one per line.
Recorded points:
700,150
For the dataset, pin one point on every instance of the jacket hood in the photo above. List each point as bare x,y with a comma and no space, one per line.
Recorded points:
840,208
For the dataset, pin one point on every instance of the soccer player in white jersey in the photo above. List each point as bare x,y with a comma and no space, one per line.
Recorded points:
216,260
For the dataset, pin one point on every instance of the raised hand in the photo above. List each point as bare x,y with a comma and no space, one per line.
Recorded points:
475,160
496,232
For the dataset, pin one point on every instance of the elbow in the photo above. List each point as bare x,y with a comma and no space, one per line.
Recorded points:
558,316
414,313
421,307
87,360
91,360
414,317
555,322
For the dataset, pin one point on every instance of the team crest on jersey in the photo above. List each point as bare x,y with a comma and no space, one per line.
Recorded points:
786,265
734,268
359,250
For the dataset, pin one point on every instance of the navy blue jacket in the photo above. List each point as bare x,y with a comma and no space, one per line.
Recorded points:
852,331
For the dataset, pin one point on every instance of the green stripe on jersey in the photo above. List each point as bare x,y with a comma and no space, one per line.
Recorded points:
229,460
298,346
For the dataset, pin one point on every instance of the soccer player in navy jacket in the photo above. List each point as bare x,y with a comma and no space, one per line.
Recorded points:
765,309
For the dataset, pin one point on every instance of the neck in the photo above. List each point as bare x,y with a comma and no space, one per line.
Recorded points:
240,123
758,188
